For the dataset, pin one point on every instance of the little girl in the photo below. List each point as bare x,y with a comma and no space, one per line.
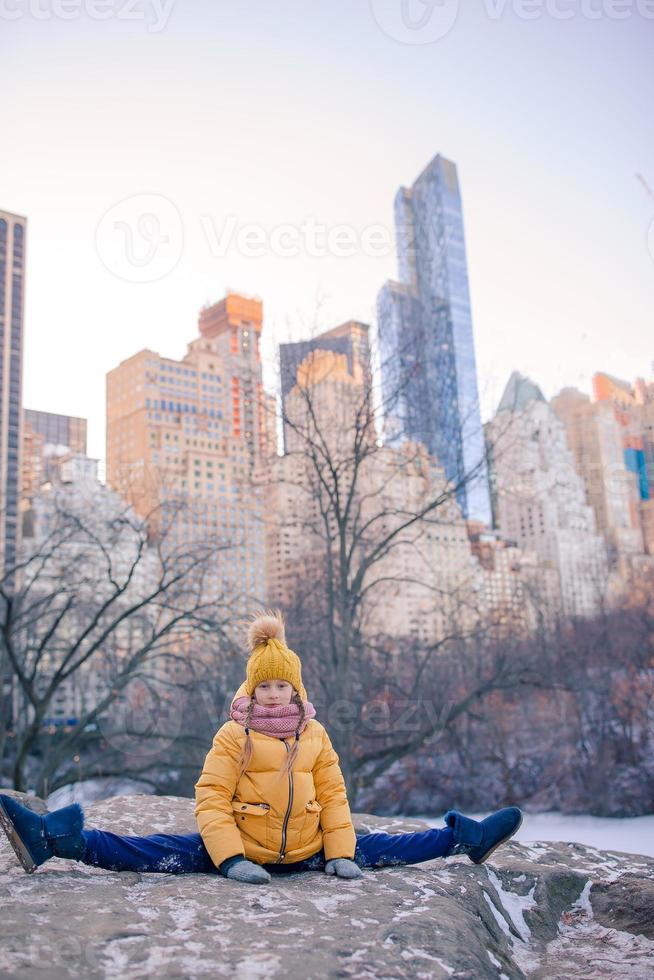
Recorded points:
271,798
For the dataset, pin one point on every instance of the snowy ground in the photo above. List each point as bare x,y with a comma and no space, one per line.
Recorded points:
521,914
632,834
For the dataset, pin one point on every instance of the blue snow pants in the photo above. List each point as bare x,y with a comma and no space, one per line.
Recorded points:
186,853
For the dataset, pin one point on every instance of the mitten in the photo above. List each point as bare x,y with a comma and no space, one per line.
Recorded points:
343,868
240,869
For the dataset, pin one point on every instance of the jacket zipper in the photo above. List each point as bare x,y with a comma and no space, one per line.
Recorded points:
288,811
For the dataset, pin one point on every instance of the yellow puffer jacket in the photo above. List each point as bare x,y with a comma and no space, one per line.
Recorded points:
268,817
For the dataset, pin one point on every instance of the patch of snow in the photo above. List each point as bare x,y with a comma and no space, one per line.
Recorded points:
535,851
515,905
412,953
184,916
411,912
328,904
583,902
258,967
494,960
499,918
147,912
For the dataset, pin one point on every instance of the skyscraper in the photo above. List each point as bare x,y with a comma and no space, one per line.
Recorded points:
429,378
540,501
595,439
633,407
185,438
13,229
350,339
415,587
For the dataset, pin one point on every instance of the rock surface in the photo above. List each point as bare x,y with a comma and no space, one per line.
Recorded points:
541,910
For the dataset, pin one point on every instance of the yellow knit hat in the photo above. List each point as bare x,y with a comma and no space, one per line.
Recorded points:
271,659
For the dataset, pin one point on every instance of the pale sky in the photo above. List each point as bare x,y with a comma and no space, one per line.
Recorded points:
212,115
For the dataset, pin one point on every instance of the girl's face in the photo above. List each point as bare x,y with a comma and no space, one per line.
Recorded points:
273,694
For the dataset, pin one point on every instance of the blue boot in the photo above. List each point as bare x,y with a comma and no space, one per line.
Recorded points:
479,838
37,838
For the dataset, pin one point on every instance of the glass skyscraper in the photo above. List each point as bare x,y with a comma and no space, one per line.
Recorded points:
13,230
427,354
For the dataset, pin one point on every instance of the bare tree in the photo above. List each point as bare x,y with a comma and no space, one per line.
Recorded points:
117,623
353,531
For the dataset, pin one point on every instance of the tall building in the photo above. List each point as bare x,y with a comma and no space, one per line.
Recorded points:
633,408
540,501
58,430
426,583
595,439
427,352
46,439
326,405
13,230
509,576
184,439
349,339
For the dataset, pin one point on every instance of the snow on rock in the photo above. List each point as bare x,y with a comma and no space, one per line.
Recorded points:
538,910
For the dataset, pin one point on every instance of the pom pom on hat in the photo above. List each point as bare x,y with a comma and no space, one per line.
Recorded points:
267,625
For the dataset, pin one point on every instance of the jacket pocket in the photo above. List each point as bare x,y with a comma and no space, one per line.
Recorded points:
311,821
252,808
252,820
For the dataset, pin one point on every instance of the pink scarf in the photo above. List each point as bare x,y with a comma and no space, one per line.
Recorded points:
278,722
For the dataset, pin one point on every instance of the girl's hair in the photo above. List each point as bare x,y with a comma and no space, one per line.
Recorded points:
246,754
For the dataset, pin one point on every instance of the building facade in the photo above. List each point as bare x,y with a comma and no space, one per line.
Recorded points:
633,409
429,377
540,501
595,440
510,577
425,583
13,232
46,438
185,438
349,339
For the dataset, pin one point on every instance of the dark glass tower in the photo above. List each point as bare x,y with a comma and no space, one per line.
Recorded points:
12,303
429,376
